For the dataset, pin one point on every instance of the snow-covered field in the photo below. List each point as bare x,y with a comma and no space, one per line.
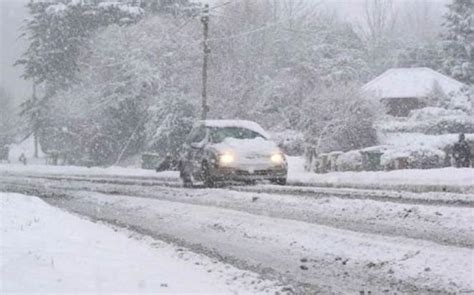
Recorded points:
45,250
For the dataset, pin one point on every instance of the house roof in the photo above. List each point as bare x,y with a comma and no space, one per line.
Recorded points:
410,82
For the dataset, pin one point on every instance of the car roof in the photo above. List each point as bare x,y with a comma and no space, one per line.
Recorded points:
235,123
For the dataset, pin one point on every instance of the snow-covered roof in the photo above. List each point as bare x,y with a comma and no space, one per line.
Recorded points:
410,82
236,123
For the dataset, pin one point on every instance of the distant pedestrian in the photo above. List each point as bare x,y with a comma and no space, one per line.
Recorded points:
22,159
462,152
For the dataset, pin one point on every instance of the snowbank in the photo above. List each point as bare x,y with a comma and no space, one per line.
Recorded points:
350,161
41,254
419,140
78,170
449,179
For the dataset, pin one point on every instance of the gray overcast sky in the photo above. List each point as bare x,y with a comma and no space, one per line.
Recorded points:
13,12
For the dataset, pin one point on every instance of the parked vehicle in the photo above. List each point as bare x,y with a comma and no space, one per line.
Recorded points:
231,150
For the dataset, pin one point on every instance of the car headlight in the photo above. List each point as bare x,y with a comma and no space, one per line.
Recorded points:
226,159
278,158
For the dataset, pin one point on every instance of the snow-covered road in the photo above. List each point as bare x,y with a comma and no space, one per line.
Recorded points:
46,250
318,242
448,179
403,214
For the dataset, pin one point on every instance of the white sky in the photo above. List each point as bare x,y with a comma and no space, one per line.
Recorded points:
12,13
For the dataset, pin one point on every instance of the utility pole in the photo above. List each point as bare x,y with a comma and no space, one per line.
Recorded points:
206,51
35,120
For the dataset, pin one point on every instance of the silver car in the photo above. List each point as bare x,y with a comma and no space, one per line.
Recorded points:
231,150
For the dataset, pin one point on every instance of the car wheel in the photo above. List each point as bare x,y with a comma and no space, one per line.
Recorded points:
207,178
279,181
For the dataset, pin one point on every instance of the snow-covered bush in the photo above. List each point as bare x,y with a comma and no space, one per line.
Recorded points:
430,120
419,158
290,141
452,125
390,157
427,158
429,113
420,150
461,100
350,161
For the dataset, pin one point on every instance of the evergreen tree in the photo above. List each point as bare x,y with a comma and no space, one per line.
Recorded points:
58,33
428,55
459,40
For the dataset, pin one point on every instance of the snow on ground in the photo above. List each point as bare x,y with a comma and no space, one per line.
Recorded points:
443,224
44,249
417,141
287,245
453,177
80,170
462,177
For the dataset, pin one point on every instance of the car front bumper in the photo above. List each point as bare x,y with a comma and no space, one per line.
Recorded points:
249,174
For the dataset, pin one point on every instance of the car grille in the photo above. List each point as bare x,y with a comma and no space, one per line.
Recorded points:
256,172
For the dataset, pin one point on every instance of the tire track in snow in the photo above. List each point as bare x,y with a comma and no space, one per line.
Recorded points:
312,257
443,225
445,199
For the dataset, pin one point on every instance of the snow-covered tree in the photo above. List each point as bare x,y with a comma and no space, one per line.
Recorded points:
7,117
134,84
378,30
459,40
58,33
266,58
422,55
339,119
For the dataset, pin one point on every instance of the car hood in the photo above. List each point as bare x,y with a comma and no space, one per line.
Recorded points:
247,147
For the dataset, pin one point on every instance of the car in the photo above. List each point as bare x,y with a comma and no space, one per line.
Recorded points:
219,151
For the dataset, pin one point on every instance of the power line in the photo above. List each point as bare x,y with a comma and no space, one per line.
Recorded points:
200,12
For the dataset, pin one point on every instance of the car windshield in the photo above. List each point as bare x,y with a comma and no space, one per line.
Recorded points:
219,134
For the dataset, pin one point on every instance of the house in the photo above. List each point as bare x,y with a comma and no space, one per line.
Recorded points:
404,89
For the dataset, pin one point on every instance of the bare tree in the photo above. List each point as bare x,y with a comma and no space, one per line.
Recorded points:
422,20
377,29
